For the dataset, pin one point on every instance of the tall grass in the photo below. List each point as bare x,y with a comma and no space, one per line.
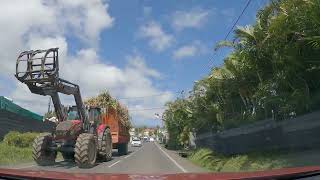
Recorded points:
16,148
11,154
246,162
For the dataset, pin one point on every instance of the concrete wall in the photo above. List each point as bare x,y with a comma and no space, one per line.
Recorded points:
297,133
12,122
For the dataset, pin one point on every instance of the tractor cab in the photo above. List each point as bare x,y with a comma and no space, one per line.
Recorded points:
72,113
93,116
93,113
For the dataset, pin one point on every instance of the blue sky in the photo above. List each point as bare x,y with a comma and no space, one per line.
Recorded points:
135,48
179,74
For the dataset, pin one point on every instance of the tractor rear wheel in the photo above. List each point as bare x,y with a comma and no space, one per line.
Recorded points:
85,151
123,149
42,153
106,146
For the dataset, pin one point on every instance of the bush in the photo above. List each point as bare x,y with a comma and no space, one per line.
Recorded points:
246,162
208,159
20,140
235,164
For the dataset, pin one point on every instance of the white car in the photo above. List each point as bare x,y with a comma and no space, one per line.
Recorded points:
151,139
136,142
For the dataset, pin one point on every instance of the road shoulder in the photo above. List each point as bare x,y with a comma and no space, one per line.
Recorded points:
188,166
24,165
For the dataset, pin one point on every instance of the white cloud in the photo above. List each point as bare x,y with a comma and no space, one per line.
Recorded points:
158,39
190,50
41,24
138,63
20,22
86,18
17,18
185,51
23,97
43,42
194,18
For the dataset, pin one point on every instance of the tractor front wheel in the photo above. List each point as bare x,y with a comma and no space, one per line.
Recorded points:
42,153
85,151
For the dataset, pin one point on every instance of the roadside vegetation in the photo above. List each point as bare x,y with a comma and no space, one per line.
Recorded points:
246,162
16,148
270,72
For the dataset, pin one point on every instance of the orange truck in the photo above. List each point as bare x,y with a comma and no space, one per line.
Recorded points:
119,131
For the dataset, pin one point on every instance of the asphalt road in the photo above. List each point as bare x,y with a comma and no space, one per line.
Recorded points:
151,158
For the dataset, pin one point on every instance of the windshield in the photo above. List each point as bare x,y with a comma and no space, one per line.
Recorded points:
73,115
163,87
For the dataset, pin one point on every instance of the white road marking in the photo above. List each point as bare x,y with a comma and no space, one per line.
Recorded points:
114,163
175,162
24,167
132,153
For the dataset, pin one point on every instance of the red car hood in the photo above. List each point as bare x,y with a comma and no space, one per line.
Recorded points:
287,173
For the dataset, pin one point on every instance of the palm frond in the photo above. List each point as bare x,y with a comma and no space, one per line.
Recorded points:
221,44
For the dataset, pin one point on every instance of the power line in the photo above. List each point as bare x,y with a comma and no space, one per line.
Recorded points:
235,23
231,29
147,109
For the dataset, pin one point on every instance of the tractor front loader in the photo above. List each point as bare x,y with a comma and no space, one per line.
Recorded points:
79,135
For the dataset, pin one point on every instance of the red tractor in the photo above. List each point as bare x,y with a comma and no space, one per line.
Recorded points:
79,135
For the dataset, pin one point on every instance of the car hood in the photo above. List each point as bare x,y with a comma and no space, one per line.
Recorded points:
287,173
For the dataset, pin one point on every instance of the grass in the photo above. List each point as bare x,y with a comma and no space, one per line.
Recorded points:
237,163
12,155
16,148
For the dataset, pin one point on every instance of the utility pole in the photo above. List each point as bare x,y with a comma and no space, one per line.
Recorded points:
49,105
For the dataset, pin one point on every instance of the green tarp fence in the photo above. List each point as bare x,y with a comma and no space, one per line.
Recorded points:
8,105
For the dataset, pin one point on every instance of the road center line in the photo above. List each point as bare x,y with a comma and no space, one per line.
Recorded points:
175,162
114,163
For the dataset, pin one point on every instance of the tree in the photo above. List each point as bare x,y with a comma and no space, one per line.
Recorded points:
269,73
49,114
